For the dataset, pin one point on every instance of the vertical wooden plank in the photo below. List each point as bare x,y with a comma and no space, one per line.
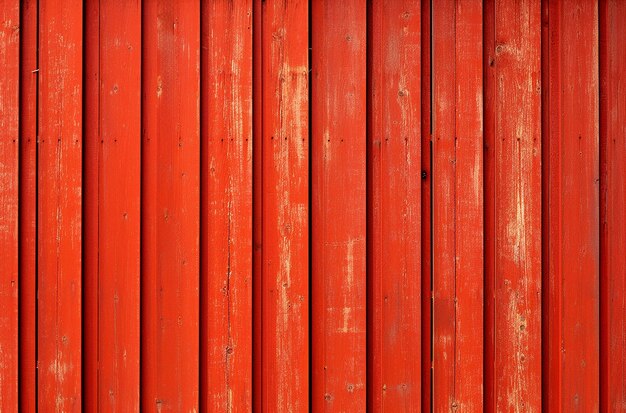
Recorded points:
571,266
426,214
28,207
111,206
226,331
491,153
490,90
91,194
458,215
612,203
513,205
59,205
285,198
394,208
119,206
338,206
549,376
257,206
444,211
469,263
170,206
9,195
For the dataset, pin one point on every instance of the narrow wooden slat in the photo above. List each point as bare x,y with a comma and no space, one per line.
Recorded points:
426,229
9,196
284,203
549,376
28,207
226,283
513,205
491,95
111,206
338,206
119,206
170,206
458,212
394,208
257,206
469,212
571,237
59,205
444,195
91,194
612,205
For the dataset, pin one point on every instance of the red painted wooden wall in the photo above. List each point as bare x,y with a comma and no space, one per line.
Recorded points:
292,206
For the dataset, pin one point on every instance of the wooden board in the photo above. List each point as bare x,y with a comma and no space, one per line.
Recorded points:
91,195
59,206
284,203
571,207
257,203
458,215
112,207
9,198
426,213
170,206
226,214
338,206
512,61
612,15
28,207
394,207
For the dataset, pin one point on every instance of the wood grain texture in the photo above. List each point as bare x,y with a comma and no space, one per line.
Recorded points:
458,215
444,195
191,222
113,144
285,199
426,207
612,15
469,265
91,195
119,205
226,223
9,199
28,207
257,205
59,205
338,233
512,61
394,208
170,206
571,223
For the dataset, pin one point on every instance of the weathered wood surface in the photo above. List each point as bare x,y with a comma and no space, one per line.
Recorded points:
338,206
394,207
170,264
112,214
282,205
458,206
571,207
512,62
59,206
226,213
9,199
